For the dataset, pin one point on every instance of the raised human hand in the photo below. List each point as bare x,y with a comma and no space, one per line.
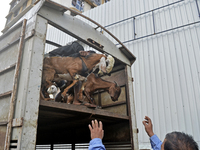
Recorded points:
148,126
96,130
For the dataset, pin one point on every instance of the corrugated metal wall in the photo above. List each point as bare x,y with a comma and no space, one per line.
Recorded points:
164,35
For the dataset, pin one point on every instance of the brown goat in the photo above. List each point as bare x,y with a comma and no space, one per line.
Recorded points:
63,65
94,83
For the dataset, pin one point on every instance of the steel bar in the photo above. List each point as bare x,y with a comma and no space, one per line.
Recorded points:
53,43
51,146
198,8
99,98
128,107
13,96
143,13
5,94
3,123
131,108
134,34
8,68
161,32
96,28
154,30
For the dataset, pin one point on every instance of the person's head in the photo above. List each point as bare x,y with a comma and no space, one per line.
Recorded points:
179,141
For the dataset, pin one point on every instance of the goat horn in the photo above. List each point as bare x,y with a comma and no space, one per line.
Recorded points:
116,83
106,54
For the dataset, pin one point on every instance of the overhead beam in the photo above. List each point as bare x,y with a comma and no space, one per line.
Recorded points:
82,31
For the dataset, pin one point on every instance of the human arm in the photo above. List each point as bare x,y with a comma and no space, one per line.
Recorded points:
155,141
96,133
148,126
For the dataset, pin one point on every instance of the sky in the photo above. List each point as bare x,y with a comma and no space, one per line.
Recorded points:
4,7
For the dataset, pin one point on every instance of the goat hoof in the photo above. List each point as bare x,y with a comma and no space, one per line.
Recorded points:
92,99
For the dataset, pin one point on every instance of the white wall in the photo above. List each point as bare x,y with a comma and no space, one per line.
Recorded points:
167,70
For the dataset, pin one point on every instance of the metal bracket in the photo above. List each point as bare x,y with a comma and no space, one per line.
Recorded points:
95,43
18,122
30,34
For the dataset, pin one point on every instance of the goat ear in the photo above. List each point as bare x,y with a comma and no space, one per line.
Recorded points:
54,83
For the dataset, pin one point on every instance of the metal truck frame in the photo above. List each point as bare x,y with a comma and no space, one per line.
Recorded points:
21,59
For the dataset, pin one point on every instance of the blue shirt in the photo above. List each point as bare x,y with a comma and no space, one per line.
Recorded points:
96,144
155,142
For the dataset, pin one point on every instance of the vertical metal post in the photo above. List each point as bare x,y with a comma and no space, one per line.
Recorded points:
131,109
134,27
30,108
73,146
99,98
198,8
51,146
154,30
14,92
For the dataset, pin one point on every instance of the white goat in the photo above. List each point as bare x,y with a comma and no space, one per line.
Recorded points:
110,60
53,91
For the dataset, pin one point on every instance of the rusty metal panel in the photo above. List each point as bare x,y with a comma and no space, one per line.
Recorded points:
6,79
31,89
9,38
8,57
15,87
2,136
4,108
131,107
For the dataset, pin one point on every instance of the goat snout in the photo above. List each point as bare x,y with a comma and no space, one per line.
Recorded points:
114,99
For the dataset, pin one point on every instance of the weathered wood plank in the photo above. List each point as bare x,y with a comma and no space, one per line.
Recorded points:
80,109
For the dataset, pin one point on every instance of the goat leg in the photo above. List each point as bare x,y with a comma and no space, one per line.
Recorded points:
80,93
91,100
67,88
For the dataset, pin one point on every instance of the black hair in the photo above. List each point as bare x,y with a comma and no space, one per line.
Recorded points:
180,141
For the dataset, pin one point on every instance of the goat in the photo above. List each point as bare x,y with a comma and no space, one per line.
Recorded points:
94,83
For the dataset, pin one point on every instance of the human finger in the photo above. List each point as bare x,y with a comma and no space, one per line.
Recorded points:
96,123
144,123
102,133
148,119
90,127
100,125
93,125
